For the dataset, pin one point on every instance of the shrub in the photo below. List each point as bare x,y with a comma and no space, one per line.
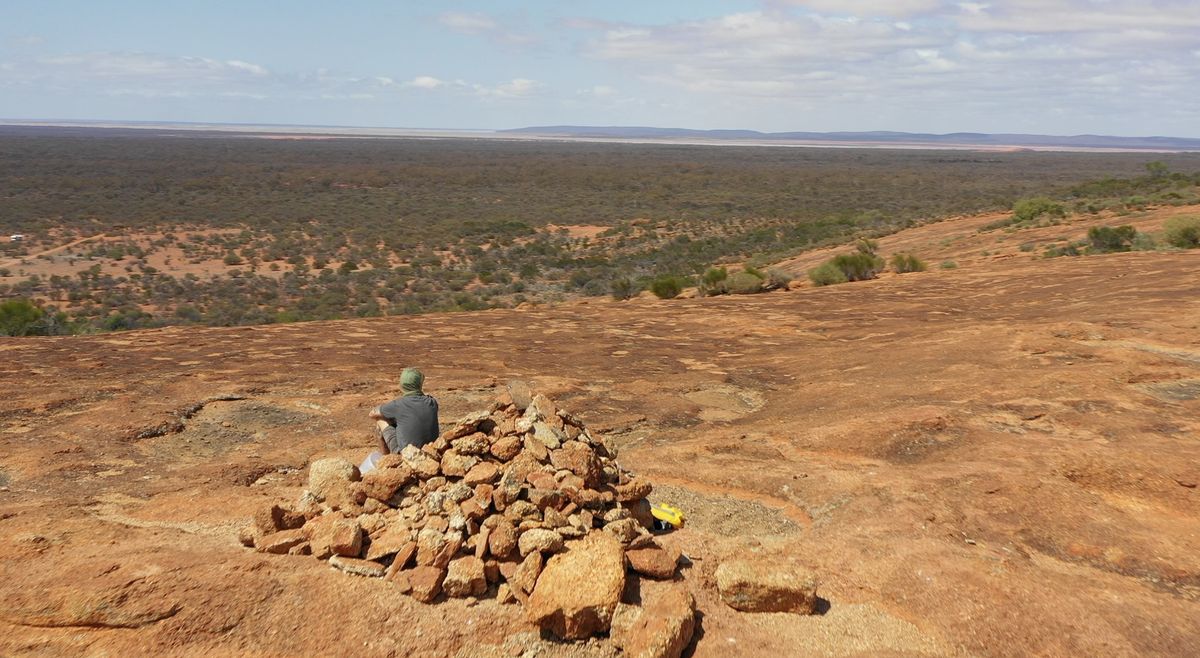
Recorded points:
858,267
1144,242
715,275
1027,210
1069,249
949,265
867,246
743,283
1107,239
1182,232
624,288
667,286
19,317
827,274
904,263
777,278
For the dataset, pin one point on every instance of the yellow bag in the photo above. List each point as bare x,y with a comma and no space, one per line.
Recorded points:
670,515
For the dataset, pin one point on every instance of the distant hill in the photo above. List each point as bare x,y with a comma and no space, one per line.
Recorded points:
874,137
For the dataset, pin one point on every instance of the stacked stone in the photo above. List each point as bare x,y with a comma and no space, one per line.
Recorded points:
520,502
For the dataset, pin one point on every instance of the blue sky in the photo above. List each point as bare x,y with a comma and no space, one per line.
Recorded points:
1043,66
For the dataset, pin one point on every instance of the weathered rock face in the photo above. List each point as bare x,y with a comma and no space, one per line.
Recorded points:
653,561
280,542
383,483
426,582
578,590
661,627
752,586
465,577
331,481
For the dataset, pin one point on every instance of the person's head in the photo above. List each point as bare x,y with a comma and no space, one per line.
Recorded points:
411,382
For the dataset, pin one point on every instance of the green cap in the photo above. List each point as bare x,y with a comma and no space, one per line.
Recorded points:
411,381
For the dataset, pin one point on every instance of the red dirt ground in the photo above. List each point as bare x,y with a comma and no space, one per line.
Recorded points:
1000,459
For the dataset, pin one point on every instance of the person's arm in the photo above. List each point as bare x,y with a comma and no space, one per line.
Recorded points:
376,414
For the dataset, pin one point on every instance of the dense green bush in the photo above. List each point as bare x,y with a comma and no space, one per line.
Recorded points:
1027,210
1108,239
743,283
904,263
858,266
827,274
19,317
1182,232
715,275
667,286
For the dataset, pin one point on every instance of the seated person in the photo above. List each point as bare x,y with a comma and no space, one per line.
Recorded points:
411,419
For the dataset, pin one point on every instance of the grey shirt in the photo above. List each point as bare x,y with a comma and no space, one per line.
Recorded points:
415,418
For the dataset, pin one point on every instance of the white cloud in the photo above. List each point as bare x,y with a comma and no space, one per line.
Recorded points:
467,22
968,59
146,66
865,8
1057,16
515,88
425,82
477,23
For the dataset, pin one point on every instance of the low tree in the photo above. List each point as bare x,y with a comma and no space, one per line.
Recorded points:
20,317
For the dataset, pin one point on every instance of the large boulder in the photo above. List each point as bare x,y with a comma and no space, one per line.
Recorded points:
578,590
753,586
661,627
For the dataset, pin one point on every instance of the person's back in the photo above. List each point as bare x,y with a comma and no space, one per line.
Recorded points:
411,419
414,418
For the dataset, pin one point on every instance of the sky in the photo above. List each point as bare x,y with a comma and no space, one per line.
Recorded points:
1062,67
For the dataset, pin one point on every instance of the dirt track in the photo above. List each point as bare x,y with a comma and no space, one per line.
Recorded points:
1000,459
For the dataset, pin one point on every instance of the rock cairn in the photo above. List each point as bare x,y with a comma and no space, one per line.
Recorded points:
519,502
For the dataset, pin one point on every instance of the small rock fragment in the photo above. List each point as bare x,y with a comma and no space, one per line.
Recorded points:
541,540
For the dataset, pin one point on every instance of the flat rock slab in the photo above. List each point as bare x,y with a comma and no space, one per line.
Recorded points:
654,561
754,586
357,567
